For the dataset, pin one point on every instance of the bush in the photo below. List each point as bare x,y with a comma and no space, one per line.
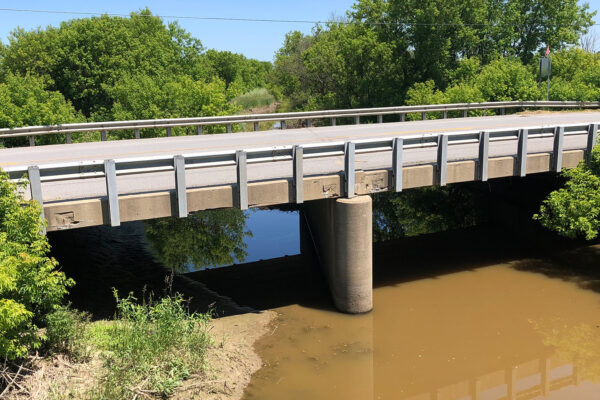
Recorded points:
30,285
255,98
574,210
65,332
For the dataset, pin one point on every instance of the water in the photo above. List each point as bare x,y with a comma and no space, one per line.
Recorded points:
494,332
468,314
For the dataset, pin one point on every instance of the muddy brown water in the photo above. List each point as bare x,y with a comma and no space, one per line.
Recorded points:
524,329
489,333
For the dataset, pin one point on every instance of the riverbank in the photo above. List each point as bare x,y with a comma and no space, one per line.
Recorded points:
230,362
103,258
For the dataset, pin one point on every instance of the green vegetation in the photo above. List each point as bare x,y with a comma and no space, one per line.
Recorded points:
260,97
114,68
384,48
574,210
149,349
30,285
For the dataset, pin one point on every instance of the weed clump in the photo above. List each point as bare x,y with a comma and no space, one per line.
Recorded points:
150,348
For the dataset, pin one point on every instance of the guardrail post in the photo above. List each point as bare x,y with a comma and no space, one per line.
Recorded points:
592,139
35,188
357,120
559,133
349,168
199,130
522,152
31,141
333,121
282,124
484,146
465,113
180,186
442,159
397,148
169,131
444,114
402,117
242,179
136,133
103,135
380,119
255,126
228,128
68,138
423,116
110,173
298,162
502,111
308,123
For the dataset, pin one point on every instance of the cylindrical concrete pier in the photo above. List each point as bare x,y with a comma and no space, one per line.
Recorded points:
352,286
342,231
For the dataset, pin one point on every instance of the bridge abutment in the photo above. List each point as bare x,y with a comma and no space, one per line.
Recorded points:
342,232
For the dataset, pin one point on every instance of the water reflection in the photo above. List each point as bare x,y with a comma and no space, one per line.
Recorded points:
212,237
216,238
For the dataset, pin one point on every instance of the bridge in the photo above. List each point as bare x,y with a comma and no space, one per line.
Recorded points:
332,168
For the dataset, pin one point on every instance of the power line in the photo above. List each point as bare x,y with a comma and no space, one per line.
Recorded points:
232,19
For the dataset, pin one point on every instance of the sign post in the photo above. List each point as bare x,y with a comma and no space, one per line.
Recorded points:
545,71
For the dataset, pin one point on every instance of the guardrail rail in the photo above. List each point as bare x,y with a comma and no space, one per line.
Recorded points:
307,116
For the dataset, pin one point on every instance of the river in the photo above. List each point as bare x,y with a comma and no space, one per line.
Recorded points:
473,313
505,322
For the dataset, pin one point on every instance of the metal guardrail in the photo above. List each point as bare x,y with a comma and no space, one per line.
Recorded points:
307,116
110,169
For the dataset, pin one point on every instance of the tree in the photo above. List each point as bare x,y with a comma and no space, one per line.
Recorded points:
24,101
84,58
574,210
30,285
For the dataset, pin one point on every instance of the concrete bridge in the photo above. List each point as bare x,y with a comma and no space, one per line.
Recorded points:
331,169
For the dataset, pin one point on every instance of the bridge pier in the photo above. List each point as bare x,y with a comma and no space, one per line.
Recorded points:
342,233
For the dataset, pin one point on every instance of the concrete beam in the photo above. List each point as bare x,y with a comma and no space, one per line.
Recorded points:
92,212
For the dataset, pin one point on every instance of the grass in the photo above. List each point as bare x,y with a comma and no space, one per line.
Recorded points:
148,350
255,98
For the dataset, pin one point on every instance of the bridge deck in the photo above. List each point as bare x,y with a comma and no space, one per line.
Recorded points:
223,178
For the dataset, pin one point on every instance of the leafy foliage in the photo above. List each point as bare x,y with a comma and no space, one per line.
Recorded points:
30,285
384,47
24,100
574,210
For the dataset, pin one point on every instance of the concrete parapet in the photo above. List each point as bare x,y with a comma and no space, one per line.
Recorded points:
342,232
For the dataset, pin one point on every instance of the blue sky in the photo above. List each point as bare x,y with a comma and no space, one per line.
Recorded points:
254,39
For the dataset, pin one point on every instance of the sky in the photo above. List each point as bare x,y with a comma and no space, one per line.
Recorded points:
258,40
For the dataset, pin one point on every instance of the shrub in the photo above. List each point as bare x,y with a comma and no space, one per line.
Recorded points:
30,285
574,210
255,98
65,332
